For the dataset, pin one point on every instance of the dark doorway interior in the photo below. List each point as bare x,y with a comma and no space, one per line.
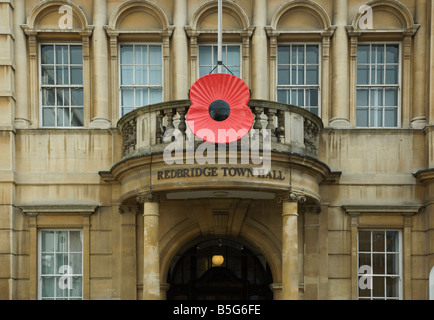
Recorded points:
220,269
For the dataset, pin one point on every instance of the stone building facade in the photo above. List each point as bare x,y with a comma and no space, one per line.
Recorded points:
93,207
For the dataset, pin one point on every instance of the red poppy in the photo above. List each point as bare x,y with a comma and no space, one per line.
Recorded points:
219,111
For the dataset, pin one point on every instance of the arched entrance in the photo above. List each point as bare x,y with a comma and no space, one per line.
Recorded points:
219,269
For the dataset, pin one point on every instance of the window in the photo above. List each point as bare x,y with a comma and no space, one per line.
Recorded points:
60,265
208,59
141,72
298,76
380,257
62,101
378,78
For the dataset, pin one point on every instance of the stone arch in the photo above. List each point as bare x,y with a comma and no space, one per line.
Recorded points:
45,15
387,15
252,234
300,15
236,16
132,10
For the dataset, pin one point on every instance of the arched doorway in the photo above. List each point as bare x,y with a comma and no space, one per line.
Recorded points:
219,269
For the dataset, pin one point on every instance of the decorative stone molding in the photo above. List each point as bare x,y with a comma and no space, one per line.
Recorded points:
158,197
128,208
290,196
60,209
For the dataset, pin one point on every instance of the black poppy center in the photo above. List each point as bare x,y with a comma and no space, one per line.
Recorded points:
219,110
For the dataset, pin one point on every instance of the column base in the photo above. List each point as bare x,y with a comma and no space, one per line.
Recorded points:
418,123
340,123
100,123
21,123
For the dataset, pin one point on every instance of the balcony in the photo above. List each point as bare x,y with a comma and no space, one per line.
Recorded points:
149,129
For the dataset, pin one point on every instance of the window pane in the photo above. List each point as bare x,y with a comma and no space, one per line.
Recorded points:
127,97
298,75
391,117
376,97
63,117
62,54
297,97
298,54
77,287
392,241
378,241
283,55
76,263
77,98
142,96
156,95
47,241
312,56
77,75
62,241
376,119
47,54
77,117
47,75
47,263
392,287
392,74
126,110
365,259
362,117
283,95
393,264
155,55
283,75
48,97
141,54
76,55
363,54
48,287
378,54
378,287
203,71
48,117
235,70
362,75
365,241
62,75
127,75
377,74
126,54
392,54
312,75
63,97
233,56
141,75
155,75
205,55
312,97
362,97
391,97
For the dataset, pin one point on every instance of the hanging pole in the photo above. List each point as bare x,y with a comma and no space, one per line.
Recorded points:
220,37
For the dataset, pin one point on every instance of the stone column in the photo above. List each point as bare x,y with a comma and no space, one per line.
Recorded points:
340,108
180,79
100,102
151,255
259,72
22,118
420,87
290,267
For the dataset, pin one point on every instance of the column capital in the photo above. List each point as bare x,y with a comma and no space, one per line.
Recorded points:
158,197
290,196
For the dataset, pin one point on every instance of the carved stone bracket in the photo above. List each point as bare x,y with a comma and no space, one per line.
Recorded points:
151,197
291,197
128,208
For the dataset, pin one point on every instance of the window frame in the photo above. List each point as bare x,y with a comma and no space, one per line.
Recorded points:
134,86
400,253
369,86
226,44
41,86
39,263
290,87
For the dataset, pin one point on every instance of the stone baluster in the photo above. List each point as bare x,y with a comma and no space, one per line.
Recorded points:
182,125
270,123
159,130
280,132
